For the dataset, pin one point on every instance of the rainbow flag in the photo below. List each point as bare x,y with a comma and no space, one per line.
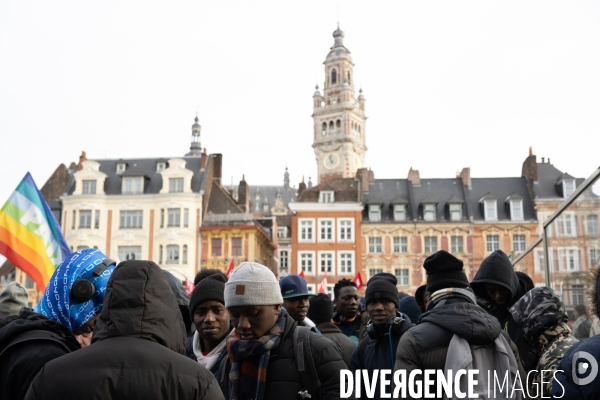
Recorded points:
30,237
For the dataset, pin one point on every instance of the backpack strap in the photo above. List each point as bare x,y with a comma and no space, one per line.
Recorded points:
37,334
305,363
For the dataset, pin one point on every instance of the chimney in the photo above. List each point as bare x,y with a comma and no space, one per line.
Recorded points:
414,177
244,195
301,188
82,158
203,159
217,167
529,171
548,160
543,160
465,175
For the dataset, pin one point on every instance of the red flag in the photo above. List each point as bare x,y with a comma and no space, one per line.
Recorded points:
189,286
358,280
230,269
301,274
323,285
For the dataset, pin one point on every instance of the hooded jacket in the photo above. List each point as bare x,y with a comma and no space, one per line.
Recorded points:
574,358
34,340
134,351
498,270
380,351
542,317
283,380
425,346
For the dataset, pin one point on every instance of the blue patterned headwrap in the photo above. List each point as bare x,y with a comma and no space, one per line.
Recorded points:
56,303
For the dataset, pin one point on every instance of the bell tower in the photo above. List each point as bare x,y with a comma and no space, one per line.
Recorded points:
339,117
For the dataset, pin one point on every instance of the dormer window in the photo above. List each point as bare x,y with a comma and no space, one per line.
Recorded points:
121,167
374,212
569,187
516,210
489,209
281,232
175,185
160,166
399,212
266,207
455,212
133,185
89,187
326,196
429,212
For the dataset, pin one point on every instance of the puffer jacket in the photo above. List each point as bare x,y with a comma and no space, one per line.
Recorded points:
497,269
379,353
425,345
137,348
34,340
283,380
333,333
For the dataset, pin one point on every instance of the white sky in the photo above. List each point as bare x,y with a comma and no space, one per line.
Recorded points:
448,84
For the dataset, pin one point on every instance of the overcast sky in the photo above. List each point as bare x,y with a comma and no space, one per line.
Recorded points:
448,84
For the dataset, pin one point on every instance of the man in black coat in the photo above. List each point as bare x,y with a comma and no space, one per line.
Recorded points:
377,351
498,288
134,350
321,312
262,356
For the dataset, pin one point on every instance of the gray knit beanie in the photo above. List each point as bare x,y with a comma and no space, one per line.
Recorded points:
12,298
252,284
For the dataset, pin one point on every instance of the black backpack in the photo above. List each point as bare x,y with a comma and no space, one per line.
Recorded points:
306,364
37,334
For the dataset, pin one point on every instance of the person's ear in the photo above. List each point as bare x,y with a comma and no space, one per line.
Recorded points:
277,308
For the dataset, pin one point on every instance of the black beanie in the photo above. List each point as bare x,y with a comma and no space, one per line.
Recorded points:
382,286
321,308
444,271
210,288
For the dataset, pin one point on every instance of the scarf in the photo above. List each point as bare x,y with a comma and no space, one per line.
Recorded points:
448,295
211,358
250,360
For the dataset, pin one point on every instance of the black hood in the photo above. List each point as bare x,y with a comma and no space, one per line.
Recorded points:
466,320
497,269
140,303
183,300
26,321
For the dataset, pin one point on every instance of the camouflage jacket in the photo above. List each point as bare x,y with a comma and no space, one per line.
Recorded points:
554,343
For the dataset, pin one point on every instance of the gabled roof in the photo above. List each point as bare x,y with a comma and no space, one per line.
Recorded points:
514,196
488,196
145,167
499,188
455,200
345,189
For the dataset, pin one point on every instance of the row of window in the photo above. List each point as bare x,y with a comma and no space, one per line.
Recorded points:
216,246
133,185
566,225
172,256
325,262
160,166
565,259
133,219
430,244
327,230
402,275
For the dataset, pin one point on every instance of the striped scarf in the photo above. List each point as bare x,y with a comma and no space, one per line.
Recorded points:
442,296
250,360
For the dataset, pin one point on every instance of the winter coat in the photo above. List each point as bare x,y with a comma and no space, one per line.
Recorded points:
497,269
379,353
283,380
134,351
356,329
34,340
12,299
581,328
541,315
333,333
425,345
564,386
183,301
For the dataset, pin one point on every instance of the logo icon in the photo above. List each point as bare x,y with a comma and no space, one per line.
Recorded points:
581,367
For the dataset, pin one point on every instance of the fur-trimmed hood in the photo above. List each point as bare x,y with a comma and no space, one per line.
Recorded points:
592,292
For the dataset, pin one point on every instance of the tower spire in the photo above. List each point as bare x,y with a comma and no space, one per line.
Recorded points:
195,148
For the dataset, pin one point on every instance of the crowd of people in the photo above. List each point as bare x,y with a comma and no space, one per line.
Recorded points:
130,331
